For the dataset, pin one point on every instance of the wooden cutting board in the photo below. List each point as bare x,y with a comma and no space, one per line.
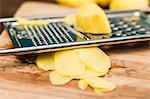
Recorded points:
19,79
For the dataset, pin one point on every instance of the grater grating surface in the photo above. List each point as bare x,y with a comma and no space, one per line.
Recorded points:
127,26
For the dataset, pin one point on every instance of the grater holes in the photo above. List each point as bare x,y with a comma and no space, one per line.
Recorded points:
61,33
55,32
65,31
44,41
30,35
46,34
36,35
50,32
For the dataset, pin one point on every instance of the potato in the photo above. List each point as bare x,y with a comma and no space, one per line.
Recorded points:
95,59
67,63
90,18
22,21
82,84
58,79
128,4
94,17
99,84
75,3
45,61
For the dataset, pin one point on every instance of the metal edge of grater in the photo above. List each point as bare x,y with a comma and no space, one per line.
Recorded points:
87,43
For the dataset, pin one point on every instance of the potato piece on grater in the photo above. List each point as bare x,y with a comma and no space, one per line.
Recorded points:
31,22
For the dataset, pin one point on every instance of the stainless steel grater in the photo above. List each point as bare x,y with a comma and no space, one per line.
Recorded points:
127,26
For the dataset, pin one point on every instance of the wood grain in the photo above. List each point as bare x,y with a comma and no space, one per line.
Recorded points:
18,79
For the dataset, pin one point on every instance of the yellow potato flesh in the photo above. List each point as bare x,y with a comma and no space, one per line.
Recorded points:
90,18
88,73
58,79
70,20
97,90
75,3
128,4
22,21
67,63
85,64
100,84
45,61
95,59
82,84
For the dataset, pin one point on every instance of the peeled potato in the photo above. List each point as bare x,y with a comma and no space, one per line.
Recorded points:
128,4
58,79
67,63
22,21
45,61
90,18
82,84
100,84
75,3
95,59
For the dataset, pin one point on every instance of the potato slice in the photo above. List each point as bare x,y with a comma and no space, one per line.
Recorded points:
70,20
90,18
100,84
45,61
88,73
99,90
95,59
22,21
58,79
67,63
82,84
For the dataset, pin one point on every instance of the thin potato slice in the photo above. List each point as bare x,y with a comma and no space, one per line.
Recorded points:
99,90
88,73
100,84
95,59
45,61
67,63
82,84
70,20
58,79
22,21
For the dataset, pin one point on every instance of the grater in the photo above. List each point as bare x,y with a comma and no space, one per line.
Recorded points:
127,26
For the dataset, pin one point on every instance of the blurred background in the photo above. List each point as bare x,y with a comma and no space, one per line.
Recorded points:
8,7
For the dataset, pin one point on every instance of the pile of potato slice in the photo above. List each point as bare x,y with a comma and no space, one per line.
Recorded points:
85,64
